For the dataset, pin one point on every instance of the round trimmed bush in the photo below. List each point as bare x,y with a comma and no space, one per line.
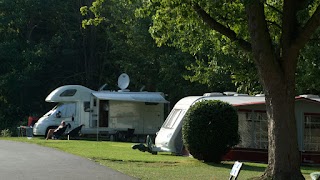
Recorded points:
210,129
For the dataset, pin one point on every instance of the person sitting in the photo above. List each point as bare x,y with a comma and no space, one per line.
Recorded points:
52,132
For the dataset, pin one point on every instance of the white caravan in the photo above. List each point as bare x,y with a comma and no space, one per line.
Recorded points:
251,113
104,112
169,138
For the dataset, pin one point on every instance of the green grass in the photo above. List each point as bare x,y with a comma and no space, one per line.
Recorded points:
143,165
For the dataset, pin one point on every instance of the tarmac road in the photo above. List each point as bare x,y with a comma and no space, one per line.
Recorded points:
24,161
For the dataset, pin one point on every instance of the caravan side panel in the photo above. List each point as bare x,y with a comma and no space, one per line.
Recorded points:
143,117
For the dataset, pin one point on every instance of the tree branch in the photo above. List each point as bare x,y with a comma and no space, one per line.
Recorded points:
274,23
274,8
262,48
289,23
213,24
310,27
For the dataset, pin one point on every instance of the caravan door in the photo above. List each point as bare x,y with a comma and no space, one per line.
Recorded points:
169,138
93,119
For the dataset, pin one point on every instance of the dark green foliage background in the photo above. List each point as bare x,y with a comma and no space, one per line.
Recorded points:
43,46
210,129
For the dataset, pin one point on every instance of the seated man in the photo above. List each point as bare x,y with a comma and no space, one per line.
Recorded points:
51,132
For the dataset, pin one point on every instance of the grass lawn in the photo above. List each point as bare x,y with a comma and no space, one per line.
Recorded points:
143,165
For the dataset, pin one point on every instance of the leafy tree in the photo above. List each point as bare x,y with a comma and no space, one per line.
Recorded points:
271,33
135,52
308,70
210,129
42,46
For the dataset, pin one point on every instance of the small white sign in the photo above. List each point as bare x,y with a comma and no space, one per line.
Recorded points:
236,169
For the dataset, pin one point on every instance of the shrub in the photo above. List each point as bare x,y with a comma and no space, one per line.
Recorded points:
210,129
6,133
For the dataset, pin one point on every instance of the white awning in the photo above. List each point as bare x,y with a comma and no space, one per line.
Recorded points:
150,97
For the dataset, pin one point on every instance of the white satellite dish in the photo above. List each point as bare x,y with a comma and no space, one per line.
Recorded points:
123,81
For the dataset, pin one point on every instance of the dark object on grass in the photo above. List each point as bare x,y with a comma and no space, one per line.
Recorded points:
75,132
140,147
144,148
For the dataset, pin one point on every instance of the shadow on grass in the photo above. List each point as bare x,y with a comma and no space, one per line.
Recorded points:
152,163
144,161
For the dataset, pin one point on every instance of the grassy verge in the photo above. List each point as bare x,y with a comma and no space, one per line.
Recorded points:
121,157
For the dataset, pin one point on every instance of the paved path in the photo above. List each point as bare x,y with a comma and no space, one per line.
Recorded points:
24,161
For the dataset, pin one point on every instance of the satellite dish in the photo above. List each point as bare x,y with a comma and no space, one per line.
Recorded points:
123,81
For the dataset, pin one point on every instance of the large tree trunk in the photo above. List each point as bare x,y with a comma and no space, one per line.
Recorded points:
283,158
277,74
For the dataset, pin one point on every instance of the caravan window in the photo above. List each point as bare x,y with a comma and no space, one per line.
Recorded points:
86,106
66,110
253,129
311,132
176,115
68,92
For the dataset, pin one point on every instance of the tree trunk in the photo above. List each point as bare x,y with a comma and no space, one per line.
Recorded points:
277,74
283,157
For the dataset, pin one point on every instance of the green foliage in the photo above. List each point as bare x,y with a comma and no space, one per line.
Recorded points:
175,23
6,133
218,63
210,129
308,70
41,48
135,52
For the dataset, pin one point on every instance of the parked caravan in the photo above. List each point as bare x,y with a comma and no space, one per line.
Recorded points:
104,112
169,138
253,126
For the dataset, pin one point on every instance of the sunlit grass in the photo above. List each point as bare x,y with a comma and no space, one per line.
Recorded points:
143,165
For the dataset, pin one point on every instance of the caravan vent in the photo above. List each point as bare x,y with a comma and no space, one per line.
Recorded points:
124,90
212,94
309,96
229,93
241,94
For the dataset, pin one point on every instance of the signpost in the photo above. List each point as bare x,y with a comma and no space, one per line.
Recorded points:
235,170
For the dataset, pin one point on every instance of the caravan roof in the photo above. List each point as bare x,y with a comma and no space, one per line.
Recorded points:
235,100
238,100
151,97
69,93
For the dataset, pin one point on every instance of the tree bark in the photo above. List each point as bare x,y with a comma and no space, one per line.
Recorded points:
278,79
